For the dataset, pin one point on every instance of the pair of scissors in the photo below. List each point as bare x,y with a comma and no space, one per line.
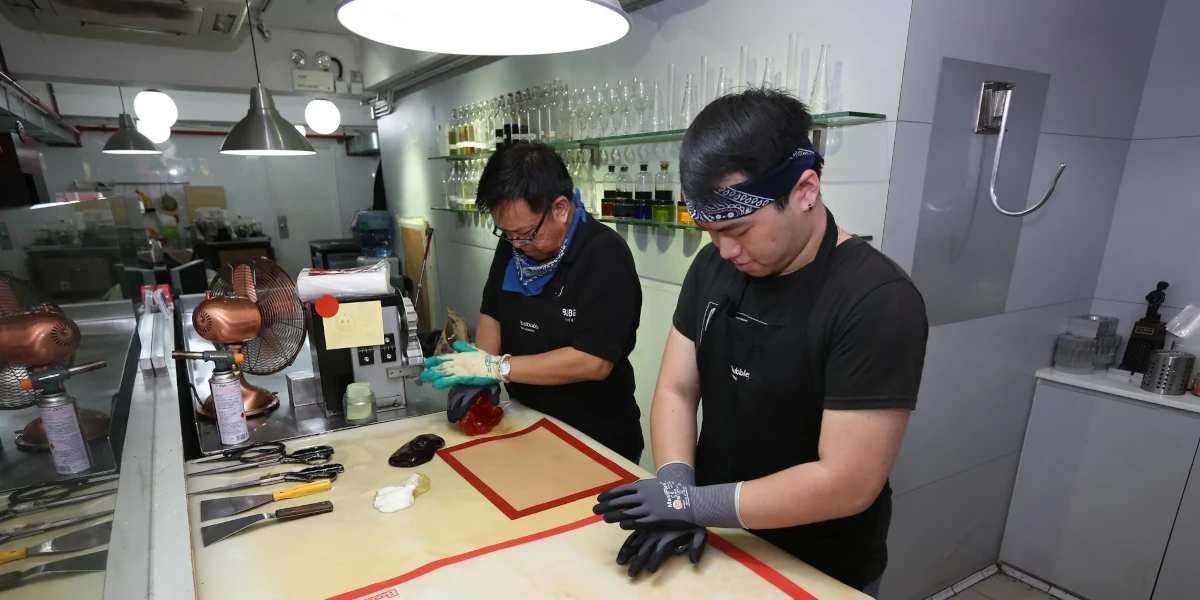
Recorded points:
22,508
29,529
328,471
57,490
271,453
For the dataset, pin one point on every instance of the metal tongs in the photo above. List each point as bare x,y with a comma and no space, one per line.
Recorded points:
308,475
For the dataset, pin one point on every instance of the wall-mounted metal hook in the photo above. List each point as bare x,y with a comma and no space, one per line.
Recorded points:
994,100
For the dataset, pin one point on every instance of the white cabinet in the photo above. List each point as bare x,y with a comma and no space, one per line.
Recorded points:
1099,484
1177,579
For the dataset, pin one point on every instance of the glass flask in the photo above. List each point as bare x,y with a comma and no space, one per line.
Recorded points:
818,100
685,112
623,203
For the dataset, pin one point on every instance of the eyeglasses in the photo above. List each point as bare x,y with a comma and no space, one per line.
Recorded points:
523,240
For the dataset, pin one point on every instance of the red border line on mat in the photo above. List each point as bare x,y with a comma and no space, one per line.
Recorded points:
450,560
623,476
760,568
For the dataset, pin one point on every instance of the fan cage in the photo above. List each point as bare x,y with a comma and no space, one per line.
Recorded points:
25,298
284,321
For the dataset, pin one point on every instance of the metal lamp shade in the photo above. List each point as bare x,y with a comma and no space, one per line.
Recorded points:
264,132
127,139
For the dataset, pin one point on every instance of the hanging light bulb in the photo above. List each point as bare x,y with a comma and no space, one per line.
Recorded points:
127,139
155,132
263,131
400,23
156,107
322,116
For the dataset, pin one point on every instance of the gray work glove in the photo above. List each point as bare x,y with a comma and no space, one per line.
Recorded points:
462,397
649,548
661,503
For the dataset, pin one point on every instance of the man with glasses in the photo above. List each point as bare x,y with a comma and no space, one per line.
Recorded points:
560,308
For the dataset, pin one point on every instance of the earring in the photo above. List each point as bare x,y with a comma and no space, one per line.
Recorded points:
810,206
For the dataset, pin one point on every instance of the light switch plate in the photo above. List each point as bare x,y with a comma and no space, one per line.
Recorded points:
283,227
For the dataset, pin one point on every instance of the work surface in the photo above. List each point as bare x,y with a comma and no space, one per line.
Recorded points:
358,552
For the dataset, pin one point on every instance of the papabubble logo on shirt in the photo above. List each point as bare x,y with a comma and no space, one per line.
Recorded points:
744,374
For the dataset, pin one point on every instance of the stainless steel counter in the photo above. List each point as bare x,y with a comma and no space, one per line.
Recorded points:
108,330
287,421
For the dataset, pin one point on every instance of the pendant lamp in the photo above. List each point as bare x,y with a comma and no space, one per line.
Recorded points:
263,131
127,139
547,26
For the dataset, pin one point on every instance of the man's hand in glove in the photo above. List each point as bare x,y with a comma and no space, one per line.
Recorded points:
665,504
649,548
466,366
462,397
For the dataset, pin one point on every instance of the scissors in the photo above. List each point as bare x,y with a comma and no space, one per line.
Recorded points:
56,490
307,475
266,454
29,529
22,508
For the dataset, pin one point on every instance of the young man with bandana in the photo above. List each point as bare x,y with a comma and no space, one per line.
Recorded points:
560,307
803,343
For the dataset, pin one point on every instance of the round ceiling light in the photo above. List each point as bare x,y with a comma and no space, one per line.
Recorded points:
156,132
156,107
554,25
322,116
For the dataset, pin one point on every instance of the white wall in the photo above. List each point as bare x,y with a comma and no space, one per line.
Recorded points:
1153,235
381,62
954,476
869,48
319,194
41,56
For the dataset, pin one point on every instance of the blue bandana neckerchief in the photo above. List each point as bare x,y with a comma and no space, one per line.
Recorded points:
744,198
527,276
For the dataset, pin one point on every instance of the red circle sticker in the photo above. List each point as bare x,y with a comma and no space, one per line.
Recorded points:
327,306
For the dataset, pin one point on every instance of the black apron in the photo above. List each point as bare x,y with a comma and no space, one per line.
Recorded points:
536,324
763,403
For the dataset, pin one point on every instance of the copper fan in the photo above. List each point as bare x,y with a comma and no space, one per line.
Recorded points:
255,311
36,335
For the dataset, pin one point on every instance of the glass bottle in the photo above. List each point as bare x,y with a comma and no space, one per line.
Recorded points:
587,182
664,196
721,75
643,195
681,210
768,78
525,116
446,182
657,121
454,187
464,125
685,113
623,204
510,108
608,201
547,121
818,100
452,132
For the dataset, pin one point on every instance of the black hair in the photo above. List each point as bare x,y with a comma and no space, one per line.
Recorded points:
750,133
529,171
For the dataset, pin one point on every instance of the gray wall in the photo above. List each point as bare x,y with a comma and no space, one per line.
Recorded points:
955,473
1154,227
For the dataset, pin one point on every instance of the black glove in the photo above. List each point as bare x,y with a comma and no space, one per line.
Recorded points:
462,397
649,548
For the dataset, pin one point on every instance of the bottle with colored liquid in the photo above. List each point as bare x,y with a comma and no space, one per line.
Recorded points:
684,216
643,196
623,204
663,210
610,192
452,134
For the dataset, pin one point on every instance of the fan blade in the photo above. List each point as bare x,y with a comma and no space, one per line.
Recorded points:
243,282
8,300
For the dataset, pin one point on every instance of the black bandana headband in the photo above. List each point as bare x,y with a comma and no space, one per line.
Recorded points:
744,198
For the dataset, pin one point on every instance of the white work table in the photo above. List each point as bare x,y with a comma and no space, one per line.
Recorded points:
357,546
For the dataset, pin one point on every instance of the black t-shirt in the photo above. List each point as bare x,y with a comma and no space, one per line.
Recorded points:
866,342
595,301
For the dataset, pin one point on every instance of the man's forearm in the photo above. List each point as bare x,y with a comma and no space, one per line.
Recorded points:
673,429
803,494
558,367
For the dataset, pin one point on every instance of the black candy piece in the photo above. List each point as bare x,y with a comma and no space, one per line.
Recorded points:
417,451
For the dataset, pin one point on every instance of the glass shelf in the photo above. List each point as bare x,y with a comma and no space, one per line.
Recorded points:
469,211
641,223
845,118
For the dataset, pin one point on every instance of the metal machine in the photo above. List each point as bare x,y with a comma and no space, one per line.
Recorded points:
254,311
38,340
390,368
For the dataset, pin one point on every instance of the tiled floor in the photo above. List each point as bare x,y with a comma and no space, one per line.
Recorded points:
1002,587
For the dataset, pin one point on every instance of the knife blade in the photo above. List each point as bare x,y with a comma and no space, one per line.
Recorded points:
96,561
232,505
29,529
212,534
84,539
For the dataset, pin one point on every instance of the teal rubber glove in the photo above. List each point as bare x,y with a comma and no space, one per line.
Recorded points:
466,366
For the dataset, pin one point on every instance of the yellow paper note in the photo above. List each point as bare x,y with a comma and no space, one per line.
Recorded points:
355,324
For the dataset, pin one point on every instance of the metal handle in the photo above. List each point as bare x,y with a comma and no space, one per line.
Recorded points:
1006,101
